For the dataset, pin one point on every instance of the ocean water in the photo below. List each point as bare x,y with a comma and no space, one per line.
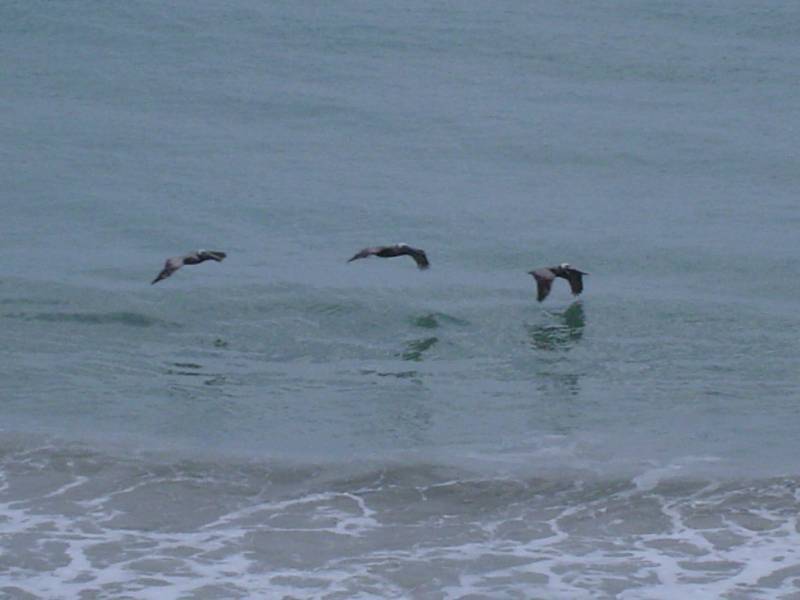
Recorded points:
288,425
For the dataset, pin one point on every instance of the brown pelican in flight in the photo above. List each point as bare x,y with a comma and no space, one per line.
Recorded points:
546,275
396,250
193,258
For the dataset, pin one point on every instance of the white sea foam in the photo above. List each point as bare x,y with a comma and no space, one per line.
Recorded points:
403,531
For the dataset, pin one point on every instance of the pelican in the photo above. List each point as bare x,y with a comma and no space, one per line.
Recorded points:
193,258
396,250
546,275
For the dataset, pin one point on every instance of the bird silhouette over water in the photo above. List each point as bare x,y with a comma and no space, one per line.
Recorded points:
546,275
193,258
418,255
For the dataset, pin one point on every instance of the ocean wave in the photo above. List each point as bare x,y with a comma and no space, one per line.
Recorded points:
132,319
80,522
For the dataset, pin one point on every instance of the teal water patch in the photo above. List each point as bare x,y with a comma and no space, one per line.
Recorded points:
426,322
396,374
30,302
437,319
127,318
416,348
563,331
186,369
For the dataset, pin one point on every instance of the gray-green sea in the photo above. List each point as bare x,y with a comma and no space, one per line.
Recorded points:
287,425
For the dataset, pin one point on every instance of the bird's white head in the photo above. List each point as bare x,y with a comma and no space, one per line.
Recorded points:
564,265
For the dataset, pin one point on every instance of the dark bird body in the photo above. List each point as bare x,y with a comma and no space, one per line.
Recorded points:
418,255
193,258
545,277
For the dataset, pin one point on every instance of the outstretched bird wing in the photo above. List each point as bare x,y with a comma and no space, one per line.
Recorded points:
419,257
216,255
172,265
198,256
544,281
366,252
575,279
193,258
